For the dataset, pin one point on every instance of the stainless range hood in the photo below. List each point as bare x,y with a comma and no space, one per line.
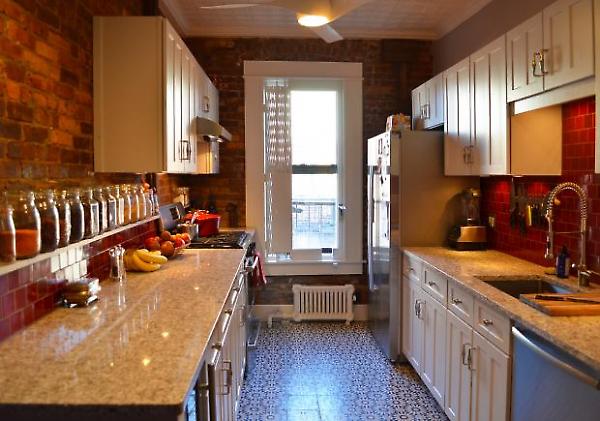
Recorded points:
211,130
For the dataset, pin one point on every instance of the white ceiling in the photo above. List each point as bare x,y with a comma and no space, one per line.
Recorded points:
416,19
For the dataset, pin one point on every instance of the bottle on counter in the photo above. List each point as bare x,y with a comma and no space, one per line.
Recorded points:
8,238
64,217
135,203
91,214
120,201
111,208
149,204
142,213
563,263
77,217
27,225
126,204
50,220
156,205
102,209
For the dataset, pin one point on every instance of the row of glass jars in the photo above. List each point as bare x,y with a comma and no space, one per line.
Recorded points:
31,223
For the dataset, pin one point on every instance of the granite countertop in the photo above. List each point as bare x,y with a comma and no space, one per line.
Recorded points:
578,336
140,345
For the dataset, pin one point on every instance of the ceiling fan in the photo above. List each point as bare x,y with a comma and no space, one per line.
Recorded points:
313,14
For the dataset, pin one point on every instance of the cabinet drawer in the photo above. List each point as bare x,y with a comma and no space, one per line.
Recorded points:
460,302
412,267
435,283
492,325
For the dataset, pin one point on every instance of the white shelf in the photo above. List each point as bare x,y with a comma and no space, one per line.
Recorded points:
19,264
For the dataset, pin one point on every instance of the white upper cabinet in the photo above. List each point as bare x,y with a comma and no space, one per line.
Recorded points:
428,104
144,119
458,156
551,49
568,42
489,119
522,43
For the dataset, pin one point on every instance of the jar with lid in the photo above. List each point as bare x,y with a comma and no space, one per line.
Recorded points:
102,209
156,205
27,225
50,220
8,239
141,202
135,203
149,204
64,217
111,208
77,216
91,214
120,216
126,204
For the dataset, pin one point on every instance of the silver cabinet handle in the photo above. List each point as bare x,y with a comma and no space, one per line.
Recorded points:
456,301
539,61
467,355
487,322
431,283
229,377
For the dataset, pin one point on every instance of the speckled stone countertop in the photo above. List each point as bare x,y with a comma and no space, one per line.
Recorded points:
140,345
579,336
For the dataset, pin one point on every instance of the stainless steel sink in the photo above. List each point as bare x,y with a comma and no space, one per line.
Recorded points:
517,285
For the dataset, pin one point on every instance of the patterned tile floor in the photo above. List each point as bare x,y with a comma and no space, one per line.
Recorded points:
329,372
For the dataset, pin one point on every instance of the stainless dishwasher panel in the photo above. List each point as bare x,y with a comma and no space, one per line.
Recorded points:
548,384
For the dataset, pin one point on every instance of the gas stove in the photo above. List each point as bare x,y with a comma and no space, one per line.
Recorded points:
223,240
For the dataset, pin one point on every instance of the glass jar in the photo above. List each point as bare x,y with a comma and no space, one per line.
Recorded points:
141,202
8,238
91,214
64,217
156,205
135,203
50,221
102,209
27,225
111,208
126,204
149,204
120,218
77,217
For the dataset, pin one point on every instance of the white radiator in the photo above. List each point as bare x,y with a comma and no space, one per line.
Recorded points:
323,302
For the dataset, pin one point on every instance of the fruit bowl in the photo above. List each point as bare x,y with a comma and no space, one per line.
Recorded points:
179,250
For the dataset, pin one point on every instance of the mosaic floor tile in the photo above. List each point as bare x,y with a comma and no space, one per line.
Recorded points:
329,372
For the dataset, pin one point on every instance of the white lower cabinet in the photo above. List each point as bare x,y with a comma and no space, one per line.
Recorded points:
466,373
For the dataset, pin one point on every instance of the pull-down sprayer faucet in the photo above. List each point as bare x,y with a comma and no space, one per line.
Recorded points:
583,275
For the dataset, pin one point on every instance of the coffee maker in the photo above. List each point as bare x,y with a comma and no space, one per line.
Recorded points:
469,234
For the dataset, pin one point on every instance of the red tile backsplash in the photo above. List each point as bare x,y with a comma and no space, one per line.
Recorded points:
578,166
29,293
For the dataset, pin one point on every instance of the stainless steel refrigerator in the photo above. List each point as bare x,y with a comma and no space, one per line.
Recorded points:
410,203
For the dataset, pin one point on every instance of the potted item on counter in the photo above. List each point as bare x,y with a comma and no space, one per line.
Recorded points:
64,217
27,225
49,218
77,217
91,214
8,242
208,223
102,210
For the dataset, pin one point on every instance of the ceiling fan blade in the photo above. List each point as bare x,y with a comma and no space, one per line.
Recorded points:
341,7
327,33
230,6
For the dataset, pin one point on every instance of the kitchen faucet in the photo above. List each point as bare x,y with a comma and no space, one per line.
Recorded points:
583,275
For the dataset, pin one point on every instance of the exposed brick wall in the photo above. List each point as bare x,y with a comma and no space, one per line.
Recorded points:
46,109
578,166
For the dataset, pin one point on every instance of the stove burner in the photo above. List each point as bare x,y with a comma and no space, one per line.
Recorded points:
223,240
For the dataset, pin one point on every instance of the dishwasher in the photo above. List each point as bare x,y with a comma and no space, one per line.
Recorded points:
548,384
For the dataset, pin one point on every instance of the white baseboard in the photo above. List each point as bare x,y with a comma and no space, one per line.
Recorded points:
286,311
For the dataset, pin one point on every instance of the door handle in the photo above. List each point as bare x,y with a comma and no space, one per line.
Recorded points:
228,377
342,208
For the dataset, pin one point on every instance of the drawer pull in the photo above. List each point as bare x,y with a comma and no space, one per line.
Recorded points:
487,322
456,301
431,283
228,311
411,269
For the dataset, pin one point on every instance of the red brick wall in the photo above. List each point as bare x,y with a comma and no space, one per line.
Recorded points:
578,166
46,110
391,69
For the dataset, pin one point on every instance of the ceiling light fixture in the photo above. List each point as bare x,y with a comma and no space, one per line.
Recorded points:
312,21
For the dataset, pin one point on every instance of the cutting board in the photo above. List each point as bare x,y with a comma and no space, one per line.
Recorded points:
565,308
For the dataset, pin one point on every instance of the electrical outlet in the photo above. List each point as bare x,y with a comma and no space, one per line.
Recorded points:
492,221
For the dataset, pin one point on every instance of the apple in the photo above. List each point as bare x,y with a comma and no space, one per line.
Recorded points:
179,242
167,249
152,243
186,237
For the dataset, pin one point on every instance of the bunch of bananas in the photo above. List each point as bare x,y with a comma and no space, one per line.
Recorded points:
143,260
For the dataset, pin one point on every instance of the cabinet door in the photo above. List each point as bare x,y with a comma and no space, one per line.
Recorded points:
457,114
172,57
408,313
415,310
186,82
489,389
213,101
489,134
459,338
191,166
435,104
568,42
416,109
434,355
522,43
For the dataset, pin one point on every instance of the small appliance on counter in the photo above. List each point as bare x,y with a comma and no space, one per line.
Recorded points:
470,234
81,293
